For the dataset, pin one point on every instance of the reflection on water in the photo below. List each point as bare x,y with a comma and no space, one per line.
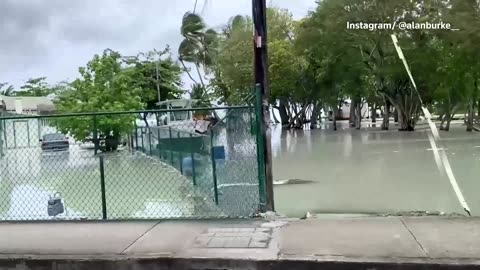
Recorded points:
136,186
372,171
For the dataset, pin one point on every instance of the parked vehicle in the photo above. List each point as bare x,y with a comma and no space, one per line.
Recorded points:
55,142
114,144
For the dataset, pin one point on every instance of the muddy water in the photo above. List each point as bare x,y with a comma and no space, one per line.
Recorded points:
373,171
136,186
348,171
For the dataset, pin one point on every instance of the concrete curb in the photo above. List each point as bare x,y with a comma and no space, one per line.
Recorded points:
118,262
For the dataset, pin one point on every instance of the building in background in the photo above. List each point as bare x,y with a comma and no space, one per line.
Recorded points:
27,105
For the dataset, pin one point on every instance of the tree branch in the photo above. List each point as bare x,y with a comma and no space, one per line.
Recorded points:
186,70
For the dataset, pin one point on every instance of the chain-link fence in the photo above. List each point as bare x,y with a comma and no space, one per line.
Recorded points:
186,163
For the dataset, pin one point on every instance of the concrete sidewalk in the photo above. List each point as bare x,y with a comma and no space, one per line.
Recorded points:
331,242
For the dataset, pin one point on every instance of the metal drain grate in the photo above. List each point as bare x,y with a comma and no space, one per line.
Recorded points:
234,238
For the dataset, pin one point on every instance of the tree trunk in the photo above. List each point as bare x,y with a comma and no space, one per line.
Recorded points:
295,109
386,116
478,108
470,114
443,118
145,120
358,109
448,119
314,117
274,116
374,113
282,109
407,123
111,143
352,118
400,118
335,112
319,114
297,120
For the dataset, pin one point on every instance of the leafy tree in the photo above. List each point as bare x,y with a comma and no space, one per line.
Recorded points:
103,87
233,64
60,87
316,62
143,71
465,15
36,87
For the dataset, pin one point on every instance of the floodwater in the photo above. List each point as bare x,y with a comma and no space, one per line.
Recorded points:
347,171
137,184
373,171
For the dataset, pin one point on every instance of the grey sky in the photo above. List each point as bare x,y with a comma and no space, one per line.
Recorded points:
53,38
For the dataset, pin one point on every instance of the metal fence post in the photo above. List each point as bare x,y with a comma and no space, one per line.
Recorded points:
5,133
170,138
102,183
192,155
150,141
136,136
260,148
180,156
39,127
143,145
28,132
214,169
252,124
132,146
1,137
95,134
14,135
158,144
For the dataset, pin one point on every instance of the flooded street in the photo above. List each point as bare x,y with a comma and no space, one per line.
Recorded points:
373,171
29,177
139,184
316,171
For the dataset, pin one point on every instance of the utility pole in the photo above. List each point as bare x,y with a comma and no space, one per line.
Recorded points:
158,81
158,91
261,78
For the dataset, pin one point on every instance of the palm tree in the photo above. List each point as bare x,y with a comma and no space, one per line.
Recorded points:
203,100
237,23
8,90
199,93
198,46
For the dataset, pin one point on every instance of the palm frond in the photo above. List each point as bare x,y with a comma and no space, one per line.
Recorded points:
192,24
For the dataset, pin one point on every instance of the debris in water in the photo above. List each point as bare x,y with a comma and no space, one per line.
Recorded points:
293,182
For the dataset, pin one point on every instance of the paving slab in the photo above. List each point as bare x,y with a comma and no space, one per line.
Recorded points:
168,237
447,237
241,239
70,238
327,243
175,237
355,237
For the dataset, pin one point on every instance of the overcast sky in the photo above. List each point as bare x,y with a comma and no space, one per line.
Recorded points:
53,38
